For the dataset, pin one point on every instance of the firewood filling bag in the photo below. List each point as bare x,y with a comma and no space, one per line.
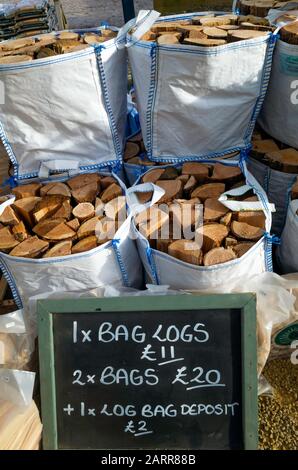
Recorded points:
226,235
49,45
60,219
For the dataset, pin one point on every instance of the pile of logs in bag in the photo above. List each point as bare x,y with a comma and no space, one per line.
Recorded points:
188,202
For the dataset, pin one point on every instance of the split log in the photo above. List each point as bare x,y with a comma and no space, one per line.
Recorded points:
26,190
214,210
226,219
211,190
46,52
74,224
228,27
198,170
92,38
190,185
261,147
153,175
219,256
131,150
215,33
169,38
151,222
204,42
108,33
138,139
86,193
168,26
111,192
242,248
255,218
60,249
99,207
256,27
68,35
197,34
15,44
106,181
226,174
7,240
144,197
83,180
183,217
170,173
140,161
64,212
163,244
15,59
230,242
116,209
213,235
88,228
83,211
85,244
33,247
187,251
24,207
19,231
45,227
9,217
106,230
149,36
244,231
173,190
183,178
245,34
218,20
284,160
289,33
46,207
55,189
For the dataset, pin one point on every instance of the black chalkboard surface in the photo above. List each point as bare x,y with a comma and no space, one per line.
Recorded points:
171,372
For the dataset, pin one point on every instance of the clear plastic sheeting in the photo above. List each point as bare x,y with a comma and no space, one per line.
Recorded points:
16,386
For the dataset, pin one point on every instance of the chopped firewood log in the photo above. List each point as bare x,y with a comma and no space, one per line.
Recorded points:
261,147
198,170
144,197
215,33
111,192
45,226
86,193
108,33
225,173
245,34
173,190
85,244
24,208
64,211
204,42
26,190
149,36
131,150
74,224
92,38
140,161
46,207
213,235
230,242
187,251
163,245
84,211
226,219
116,209
255,218
197,34
170,173
153,175
45,52
244,231
69,35
214,210
183,178
138,139
239,184
151,221
295,190
285,160
15,59
106,230
7,240
59,233
88,228
60,249
168,26
55,189
83,180
217,21
169,38
99,207
19,231
211,190
289,33
218,256
183,217
17,44
30,248
106,181
257,27
9,217
242,248
228,27
190,185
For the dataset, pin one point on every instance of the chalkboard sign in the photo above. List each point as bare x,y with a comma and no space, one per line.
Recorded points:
162,372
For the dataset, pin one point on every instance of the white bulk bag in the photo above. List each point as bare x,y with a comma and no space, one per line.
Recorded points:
116,263
279,115
65,108
287,251
197,102
163,269
277,185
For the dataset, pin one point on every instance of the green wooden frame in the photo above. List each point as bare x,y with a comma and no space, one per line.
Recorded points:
245,302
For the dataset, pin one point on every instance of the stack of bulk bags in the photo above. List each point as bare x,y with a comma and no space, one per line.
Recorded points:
66,109
165,269
287,252
195,101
